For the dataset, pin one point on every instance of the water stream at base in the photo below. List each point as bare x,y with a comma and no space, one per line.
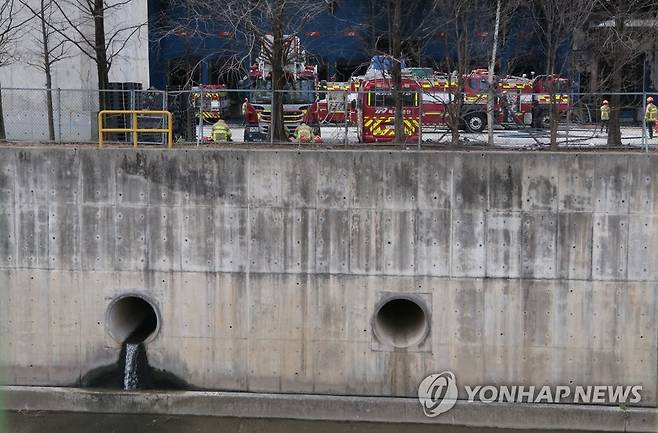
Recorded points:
132,372
130,376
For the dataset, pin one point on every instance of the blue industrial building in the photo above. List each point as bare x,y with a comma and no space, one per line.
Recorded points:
340,41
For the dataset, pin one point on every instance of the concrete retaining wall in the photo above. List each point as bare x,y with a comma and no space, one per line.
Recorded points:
266,266
356,414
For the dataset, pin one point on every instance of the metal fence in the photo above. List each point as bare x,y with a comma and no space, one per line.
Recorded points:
343,118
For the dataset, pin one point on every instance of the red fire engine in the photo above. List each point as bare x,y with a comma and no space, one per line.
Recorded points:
376,112
299,102
519,100
426,98
332,108
542,88
334,102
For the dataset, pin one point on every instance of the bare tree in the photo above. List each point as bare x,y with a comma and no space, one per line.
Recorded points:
396,34
51,49
556,21
106,44
457,19
621,34
269,27
10,23
490,77
504,11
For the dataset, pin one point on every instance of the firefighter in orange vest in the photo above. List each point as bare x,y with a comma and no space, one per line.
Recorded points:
605,115
651,116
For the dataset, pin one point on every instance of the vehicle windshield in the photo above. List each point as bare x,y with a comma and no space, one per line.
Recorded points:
562,86
299,92
385,99
478,84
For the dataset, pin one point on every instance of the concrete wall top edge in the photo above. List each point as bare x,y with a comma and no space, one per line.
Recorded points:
285,148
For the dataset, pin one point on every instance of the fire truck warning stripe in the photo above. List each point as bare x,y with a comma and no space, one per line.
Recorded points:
411,123
558,98
383,132
374,125
209,115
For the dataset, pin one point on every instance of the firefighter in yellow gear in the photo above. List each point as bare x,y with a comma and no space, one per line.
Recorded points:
221,131
303,133
605,115
243,109
651,116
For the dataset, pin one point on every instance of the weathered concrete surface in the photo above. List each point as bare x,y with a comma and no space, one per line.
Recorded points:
82,422
331,408
266,265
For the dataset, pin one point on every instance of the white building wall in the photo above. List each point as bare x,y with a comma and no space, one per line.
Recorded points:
76,105
132,65
79,71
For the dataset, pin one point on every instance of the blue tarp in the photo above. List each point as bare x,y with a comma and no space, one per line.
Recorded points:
383,63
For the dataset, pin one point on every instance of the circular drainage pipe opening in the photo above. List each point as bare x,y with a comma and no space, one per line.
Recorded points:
131,319
401,322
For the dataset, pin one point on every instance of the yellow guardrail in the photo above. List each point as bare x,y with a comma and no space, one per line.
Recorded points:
134,129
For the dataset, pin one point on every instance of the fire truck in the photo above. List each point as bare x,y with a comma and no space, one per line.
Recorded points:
299,97
439,90
375,104
210,101
376,111
543,86
426,96
332,108
334,102
519,100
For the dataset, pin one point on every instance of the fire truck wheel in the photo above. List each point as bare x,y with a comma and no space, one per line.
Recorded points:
475,122
544,120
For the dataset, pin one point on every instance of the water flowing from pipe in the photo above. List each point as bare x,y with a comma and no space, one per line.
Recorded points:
130,376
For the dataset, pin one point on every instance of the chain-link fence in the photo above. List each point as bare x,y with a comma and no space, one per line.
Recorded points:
430,119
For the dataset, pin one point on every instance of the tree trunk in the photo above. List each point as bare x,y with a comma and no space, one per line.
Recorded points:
49,106
455,110
553,109
455,120
48,72
396,73
191,123
554,116
593,100
614,127
457,104
102,66
3,135
490,79
278,75
371,20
